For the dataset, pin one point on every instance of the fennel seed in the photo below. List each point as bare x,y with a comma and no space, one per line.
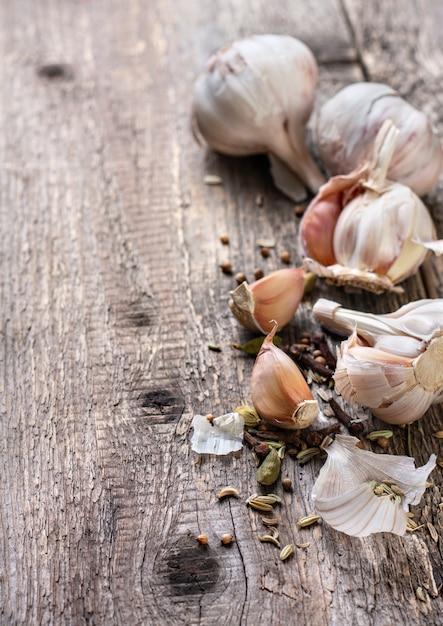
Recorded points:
228,491
287,551
259,506
432,531
270,539
212,179
308,520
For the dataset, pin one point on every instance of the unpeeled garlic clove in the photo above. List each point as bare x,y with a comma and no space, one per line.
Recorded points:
348,124
256,96
344,492
273,297
392,364
364,230
279,392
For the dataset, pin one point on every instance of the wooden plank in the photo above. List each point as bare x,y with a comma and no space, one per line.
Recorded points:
111,293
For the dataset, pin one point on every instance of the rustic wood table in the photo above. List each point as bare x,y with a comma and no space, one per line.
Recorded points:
111,293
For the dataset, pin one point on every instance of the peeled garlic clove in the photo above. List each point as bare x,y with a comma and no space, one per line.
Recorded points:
273,297
364,230
344,495
392,364
348,124
257,95
279,392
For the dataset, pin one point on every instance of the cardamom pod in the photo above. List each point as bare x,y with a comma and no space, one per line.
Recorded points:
269,470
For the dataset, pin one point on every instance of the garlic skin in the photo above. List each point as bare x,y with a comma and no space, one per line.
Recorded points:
256,95
392,364
279,392
344,495
273,297
348,123
364,230
222,435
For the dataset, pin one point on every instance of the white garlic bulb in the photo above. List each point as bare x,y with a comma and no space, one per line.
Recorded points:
364,230
256,96
392,364
348,123
355,494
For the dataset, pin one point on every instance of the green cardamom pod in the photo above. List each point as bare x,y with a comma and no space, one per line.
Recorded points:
269,470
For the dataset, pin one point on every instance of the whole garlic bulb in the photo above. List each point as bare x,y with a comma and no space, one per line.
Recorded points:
364,230
256,96
391,363
348,123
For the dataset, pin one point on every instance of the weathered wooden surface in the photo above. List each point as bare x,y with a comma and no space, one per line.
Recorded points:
111,293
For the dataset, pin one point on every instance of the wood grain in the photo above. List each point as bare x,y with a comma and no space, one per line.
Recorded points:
111,292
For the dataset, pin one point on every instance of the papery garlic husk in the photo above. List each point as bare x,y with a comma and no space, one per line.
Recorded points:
273,297
279,392
348,123
366,231
256,96
344,496
220,435
392,364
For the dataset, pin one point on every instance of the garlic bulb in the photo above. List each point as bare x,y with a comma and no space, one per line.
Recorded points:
358,492
218,435
348,124
279,392
392,364
256,96
364,230
273,297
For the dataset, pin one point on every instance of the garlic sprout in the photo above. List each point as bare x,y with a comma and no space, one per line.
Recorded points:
279,392
392,364
348,124
273,297
217,435
358,492
256,95
364,230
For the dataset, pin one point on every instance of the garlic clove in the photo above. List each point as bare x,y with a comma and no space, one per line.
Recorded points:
273,297
256,95
279,392
391,363
348,124
364,230
344,493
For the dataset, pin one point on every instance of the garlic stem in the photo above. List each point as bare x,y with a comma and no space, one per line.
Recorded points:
384,148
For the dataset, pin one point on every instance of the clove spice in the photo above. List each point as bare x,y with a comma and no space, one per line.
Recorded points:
355,428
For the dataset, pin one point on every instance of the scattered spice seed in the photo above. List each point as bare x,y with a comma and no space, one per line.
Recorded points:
266,243
258,273
270,498
270,521
212,179
226,267
285,257
259,199
299,210
226,539
306,455
308,520
228,491
265,252
383,442
202,539
303,545
224,239
376,434
355,428
287,551
320,342
432,531
240,277
269,539
259,506
438,434
286,483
